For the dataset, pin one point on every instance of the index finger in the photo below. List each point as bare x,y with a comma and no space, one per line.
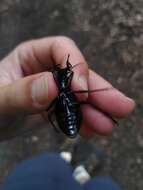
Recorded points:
38,55
110,101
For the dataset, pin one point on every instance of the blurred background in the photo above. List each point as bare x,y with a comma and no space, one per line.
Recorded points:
110,35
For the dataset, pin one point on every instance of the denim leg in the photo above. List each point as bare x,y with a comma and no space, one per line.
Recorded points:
101,183
45,172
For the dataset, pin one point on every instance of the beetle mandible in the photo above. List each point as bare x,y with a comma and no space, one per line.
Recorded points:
66,105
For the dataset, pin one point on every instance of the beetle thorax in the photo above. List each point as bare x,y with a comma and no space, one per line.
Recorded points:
64,79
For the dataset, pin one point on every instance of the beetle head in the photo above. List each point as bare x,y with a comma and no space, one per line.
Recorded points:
69,66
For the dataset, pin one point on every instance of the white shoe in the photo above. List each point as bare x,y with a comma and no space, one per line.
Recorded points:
81,175
67,156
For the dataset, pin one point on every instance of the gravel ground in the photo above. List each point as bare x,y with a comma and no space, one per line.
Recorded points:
110,35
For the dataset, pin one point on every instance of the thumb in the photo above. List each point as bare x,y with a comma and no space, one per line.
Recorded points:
31,94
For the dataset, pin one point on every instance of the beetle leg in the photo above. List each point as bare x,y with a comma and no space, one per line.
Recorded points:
52,123
52,104
69,66
48,117
106,114
70,79
113,119
55,76
51,113
45,113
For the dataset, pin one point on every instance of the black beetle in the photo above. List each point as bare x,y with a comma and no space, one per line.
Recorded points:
66,105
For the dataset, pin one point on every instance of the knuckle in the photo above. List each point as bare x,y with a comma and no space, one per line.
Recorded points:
63,40
24,47
23,50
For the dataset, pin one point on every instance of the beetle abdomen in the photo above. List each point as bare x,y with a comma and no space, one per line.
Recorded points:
68,115
69,123
72,124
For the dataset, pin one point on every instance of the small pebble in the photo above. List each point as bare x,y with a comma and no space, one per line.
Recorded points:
34,139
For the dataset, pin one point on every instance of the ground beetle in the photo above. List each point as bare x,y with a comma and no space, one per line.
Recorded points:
66,106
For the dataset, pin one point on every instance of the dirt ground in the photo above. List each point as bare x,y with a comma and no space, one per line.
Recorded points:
110,35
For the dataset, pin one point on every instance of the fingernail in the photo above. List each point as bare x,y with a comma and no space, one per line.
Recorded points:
131,101
40,91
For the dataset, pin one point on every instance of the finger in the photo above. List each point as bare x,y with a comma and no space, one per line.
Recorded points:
31,94
110,101
95,122
39,55
87,132
60,50
43,52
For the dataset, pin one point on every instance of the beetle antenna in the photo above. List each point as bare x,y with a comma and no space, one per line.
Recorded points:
68,63
91,91
68,59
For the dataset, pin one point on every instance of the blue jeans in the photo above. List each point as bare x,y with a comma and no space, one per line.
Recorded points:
50,172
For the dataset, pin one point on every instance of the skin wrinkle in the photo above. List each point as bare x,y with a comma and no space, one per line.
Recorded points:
51,93
18,71
10,72
28,100
37,66
13,65
24,57
44,86
39,63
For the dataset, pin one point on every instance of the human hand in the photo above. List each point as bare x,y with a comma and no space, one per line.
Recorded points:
27,86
